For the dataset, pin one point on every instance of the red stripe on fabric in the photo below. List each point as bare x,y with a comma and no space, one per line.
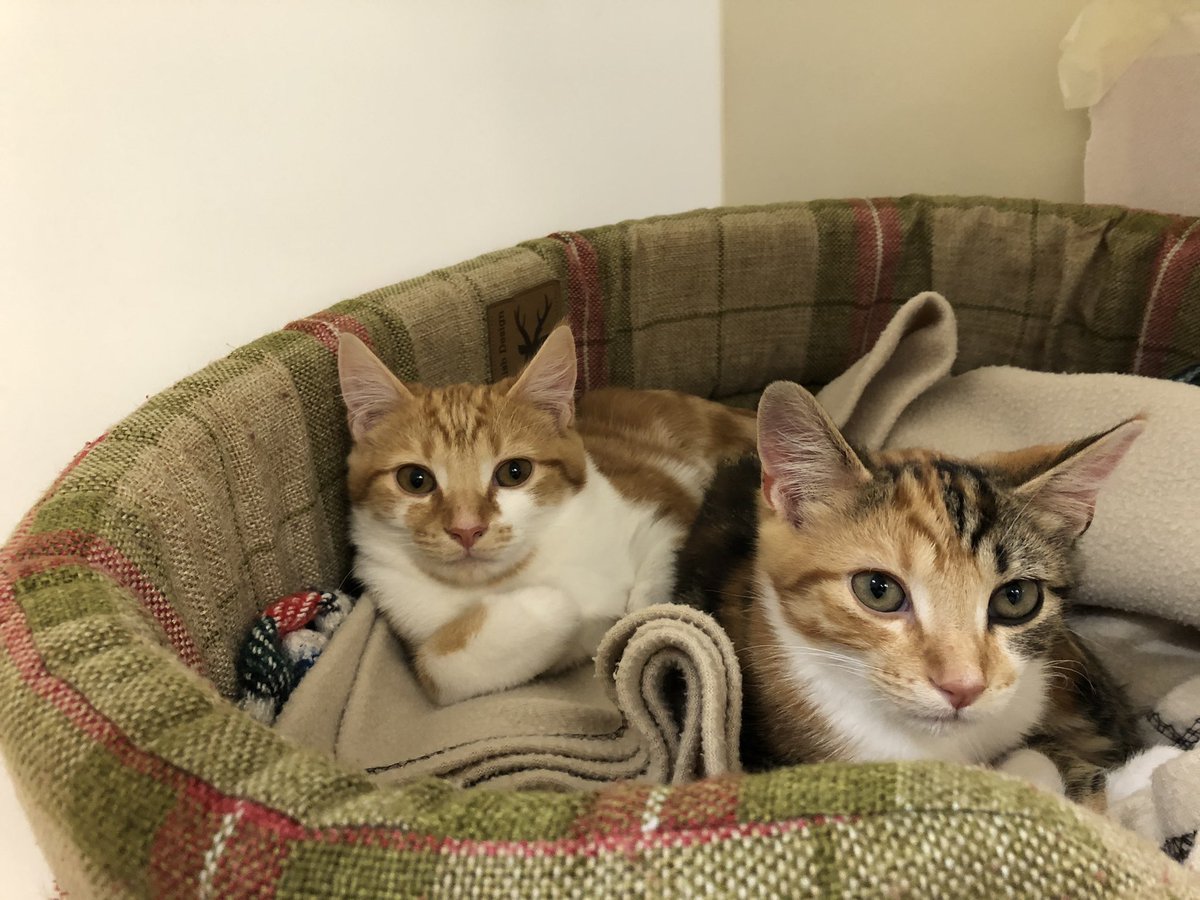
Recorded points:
253,856
585,309
26,523
1177,263
17,640
40,552
628,840
182,841
893,243
326,326
878,237
618,809
710,803
226,844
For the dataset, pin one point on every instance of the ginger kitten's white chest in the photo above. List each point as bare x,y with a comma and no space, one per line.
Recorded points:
607,553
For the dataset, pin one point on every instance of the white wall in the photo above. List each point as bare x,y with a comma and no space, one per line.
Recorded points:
875,98
177,178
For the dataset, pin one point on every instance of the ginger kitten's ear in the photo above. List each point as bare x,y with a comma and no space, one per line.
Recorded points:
369,388
1068,479
805,459
548,381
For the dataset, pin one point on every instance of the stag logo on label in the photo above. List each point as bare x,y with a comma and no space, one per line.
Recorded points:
518,326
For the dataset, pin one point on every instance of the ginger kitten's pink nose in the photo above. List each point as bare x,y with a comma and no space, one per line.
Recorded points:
961,690
467,535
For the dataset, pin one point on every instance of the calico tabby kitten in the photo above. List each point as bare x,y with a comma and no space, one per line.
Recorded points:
500,530
906,605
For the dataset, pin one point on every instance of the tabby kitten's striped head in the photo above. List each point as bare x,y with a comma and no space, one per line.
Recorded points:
461,479
934,584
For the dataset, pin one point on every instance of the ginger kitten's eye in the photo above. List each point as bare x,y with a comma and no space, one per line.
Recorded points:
415,479
1016,602
878,591
512,472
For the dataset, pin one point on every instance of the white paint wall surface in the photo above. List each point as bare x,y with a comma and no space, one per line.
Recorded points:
178,177
873,98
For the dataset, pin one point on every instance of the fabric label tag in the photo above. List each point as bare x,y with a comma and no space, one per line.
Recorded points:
518,326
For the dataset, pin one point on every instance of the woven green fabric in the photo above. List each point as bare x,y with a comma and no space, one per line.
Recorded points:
125,592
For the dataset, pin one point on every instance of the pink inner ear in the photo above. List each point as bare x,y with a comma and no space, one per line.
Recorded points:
805,461
367,402
369,389
768,486
548,381
1071,489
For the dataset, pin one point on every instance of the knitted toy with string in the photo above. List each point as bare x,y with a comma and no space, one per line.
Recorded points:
282,645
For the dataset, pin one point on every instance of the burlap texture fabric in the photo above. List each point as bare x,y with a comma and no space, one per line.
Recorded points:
125,592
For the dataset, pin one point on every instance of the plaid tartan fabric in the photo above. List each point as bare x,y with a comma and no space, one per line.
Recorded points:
125,592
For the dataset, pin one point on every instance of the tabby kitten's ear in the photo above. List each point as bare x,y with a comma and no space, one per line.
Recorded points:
548,381
1068,479
369,388
805,460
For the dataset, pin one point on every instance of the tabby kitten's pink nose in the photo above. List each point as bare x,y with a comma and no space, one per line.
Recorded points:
961,691
467,535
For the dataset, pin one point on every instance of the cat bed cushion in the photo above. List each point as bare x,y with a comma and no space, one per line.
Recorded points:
126,592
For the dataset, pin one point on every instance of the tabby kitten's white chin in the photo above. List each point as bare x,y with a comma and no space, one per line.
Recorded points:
868,726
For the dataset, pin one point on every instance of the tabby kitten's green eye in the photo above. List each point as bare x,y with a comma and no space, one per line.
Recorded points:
878,591
512,472
415,479
1016,602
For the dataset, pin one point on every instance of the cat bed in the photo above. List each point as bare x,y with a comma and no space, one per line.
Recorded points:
128,589
662,702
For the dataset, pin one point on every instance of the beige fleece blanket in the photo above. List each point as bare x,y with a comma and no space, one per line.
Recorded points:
1140,553
662,704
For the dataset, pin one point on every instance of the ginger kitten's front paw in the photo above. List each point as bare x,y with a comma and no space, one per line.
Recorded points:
1036,768
501,642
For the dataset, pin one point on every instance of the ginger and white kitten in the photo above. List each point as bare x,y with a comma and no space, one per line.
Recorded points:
906,605
499,530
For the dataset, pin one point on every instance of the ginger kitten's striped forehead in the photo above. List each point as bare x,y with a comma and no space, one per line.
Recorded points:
458,417
464,429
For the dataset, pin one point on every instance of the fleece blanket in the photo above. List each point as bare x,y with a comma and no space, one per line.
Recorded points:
662,704
1140,571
